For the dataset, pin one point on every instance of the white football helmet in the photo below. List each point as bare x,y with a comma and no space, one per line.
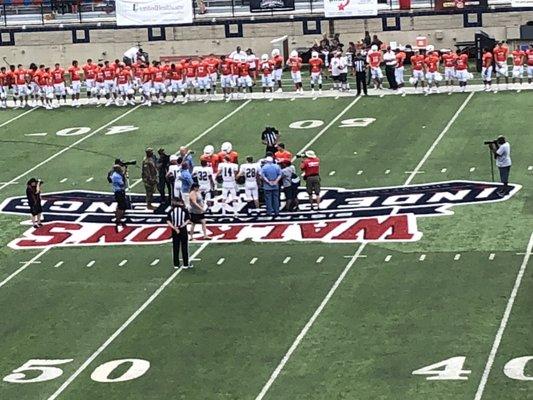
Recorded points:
430,48
314,54
131,92
264,57
294,53
275,52
226,147
209,150
374,47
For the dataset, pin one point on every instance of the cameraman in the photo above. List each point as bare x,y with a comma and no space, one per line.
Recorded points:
270,138
33,194
310,166
118,184
502,153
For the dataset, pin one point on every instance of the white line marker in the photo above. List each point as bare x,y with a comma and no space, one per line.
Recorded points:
36,134
314,98
294,98
9,183
415,172
89,179
73,145
422,257
345,271
491,256
505,319
355,153
337,97
387,171
287,259
122,328
59,264
26,265
360,172
472,169
31,262
530,168
271,99
319,259
155,262
457,257
381,95
443,170
439,138
387,259
122,263
221,261
91,263
63,180
17,117
324,130
332,173
253,260
359,256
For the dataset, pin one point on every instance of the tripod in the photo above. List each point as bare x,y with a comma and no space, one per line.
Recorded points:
491,156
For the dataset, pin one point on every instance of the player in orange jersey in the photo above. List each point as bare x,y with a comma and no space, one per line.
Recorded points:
501,52
449,59
399,69
89,72
432,61
486,70
226,68
3,87
266,69
518,64
295,63
203,78
315,68
417,70
461,70
529,56
277,61
75,83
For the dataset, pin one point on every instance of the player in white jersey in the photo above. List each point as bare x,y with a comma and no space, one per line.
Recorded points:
227,171
250,172
173,175
204,175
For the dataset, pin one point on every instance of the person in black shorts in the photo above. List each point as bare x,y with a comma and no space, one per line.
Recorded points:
197,211
33,194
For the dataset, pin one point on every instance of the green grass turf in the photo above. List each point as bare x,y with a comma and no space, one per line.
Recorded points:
218,332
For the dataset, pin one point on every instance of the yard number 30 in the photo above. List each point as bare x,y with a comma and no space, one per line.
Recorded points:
47,370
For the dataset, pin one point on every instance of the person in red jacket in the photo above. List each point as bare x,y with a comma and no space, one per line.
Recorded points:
310,166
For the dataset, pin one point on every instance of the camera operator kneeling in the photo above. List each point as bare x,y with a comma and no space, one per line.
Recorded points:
502,153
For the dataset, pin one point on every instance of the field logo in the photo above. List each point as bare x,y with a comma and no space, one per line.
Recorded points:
83,218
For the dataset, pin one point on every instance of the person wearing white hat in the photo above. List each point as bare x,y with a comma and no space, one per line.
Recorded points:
310,167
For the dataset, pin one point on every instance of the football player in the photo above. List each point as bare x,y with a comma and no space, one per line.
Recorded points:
58,77
432,61
461,70
250,172
204,80
99,81
3,87
21,82
124,83
147,78
226,150
277,62
529,54
203,174
190,77
501,52
177,83
374,58
417,66
399,69
227,84
449,59
266,68
518,64
210,157
89,72
212,68
228,172
486,70
295,63
158,79
252,61
32,84
315,69
75,82
245,80
110,86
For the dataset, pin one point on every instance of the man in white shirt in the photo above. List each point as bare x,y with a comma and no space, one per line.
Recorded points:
173,176
390,65
502,153
250,172
339,71
228,172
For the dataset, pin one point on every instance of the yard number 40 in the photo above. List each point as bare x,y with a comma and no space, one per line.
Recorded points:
453,369
48,370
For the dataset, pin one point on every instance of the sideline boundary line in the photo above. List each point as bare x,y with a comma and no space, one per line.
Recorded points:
348,267
17,117
504,321
123,327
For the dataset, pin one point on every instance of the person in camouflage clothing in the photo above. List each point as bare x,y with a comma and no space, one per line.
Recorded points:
149,177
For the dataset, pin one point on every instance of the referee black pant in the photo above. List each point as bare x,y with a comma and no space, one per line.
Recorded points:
180,239
360,81
391,78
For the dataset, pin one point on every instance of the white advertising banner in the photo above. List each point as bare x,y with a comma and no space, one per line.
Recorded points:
522,3
350,8
153,12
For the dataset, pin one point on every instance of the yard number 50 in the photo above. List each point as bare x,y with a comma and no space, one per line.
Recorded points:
48,370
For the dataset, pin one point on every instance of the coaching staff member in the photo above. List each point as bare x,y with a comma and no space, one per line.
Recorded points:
118,185
33,194
177,219
310,166
502,152
270,138
360,66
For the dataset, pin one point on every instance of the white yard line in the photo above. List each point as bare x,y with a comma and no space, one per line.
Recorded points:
357,254
122,328
17,117
24,266
69,147
505,320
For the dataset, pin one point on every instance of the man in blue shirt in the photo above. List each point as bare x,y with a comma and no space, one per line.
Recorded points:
186,156
186,180
271,174
118,184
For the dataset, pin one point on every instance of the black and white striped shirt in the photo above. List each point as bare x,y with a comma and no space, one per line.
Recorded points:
359,63
270,136
178,217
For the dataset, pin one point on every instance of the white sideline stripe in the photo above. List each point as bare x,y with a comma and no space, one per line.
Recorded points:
17,117
221,261
387,259
457,257
59,264
24,266
122,263
491,256
155,262
70,146
122,328
422,257
36,134
343,274
505,319
201,135
90,263
63,180
324,130
439,138
319,259
287,259
253,260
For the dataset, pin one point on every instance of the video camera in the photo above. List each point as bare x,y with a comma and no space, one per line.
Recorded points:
489,142
122,163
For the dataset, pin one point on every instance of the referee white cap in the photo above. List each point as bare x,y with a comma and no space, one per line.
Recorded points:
310,154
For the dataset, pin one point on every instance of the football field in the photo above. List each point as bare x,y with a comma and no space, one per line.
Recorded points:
436,307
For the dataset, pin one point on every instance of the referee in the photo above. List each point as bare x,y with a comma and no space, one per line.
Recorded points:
359,67
270,138
177,219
